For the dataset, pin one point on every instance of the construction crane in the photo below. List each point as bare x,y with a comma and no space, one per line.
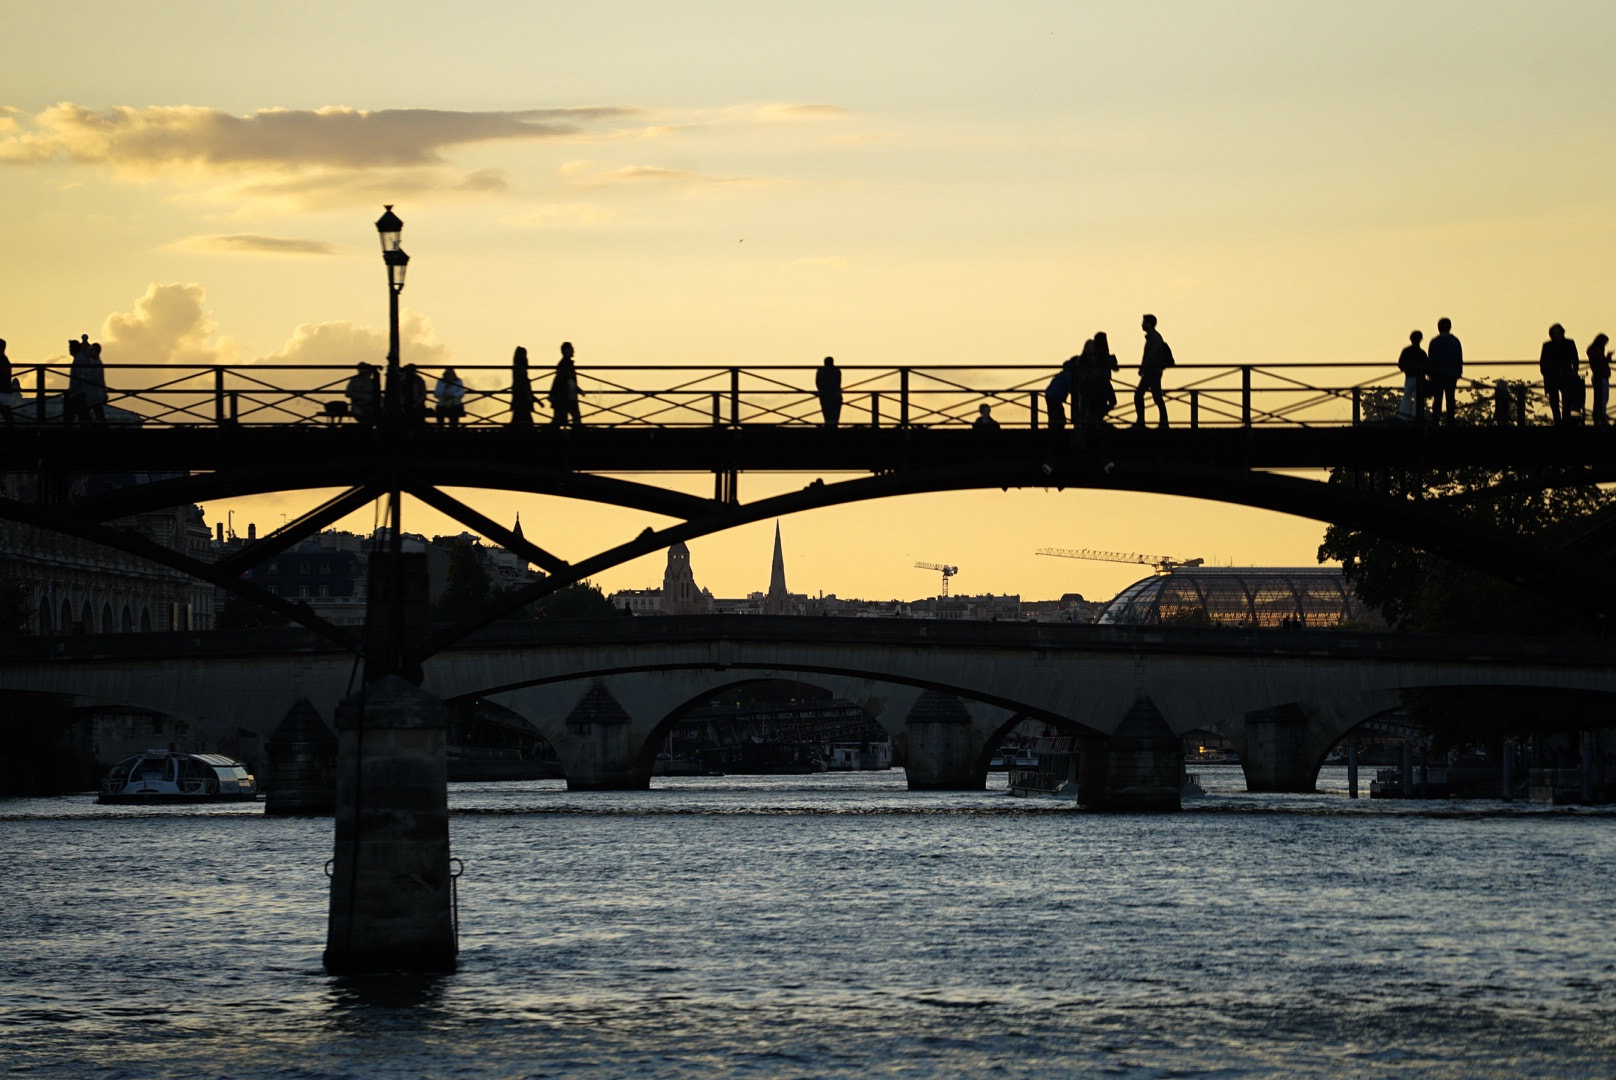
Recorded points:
946,571
1162,564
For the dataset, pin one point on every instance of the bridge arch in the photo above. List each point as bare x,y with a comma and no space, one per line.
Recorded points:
953,461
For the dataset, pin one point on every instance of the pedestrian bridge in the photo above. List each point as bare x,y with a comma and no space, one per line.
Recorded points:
605,691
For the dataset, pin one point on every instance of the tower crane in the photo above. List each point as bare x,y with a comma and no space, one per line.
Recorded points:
1162,564
946,571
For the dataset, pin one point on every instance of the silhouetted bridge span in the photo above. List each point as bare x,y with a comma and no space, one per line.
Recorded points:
604,692
641,467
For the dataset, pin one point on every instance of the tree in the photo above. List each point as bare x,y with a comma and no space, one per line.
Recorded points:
1420,592
469,582
581,600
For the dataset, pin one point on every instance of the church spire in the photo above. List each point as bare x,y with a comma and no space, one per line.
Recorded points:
517,532
778,600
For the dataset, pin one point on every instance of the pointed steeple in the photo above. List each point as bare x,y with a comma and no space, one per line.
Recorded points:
778,600
518,529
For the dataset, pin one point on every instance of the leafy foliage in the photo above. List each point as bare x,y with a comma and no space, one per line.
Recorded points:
1420,592
582,600
469,582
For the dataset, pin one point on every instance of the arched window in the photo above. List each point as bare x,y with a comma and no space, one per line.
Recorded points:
145,620
66,625
45,615
86,619
107,625
128,620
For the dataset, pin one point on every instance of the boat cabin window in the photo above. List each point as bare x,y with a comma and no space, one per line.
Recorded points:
154,769
120,771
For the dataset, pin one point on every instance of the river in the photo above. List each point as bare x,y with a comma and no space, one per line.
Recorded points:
835,925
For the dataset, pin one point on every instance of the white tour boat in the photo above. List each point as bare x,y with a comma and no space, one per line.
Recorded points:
164,776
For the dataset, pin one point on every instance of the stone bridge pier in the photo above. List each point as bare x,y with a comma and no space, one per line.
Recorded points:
1281,747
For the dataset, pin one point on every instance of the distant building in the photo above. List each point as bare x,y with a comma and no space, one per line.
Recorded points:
1071,608
988,607
1242,596
75,586
328,571
778,600
680,594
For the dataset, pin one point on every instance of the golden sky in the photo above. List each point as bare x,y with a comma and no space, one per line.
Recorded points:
771,183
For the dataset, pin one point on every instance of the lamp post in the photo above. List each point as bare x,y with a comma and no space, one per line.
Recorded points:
391,230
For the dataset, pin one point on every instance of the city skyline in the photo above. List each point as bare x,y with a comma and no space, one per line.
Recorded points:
752,184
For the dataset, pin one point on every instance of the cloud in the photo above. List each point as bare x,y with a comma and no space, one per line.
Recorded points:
169,325
247,244
163,137
648,175
343,344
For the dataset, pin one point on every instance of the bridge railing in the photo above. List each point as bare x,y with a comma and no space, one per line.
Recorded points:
690,396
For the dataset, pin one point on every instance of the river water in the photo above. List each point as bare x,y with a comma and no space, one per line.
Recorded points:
835,925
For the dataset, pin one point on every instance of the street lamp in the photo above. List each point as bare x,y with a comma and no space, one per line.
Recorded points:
391,230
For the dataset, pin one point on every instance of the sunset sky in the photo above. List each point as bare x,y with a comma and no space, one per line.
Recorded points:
770,183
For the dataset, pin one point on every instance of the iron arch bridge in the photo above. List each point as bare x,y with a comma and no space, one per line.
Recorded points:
218,433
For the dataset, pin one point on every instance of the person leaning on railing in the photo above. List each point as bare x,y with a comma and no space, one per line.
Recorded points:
450,395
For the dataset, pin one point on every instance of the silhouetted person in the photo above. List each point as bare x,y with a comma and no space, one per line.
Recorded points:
1412,362
521,390
1598,371
1096,398
564,391
1558,365
828,385
1157,358
86,395
95,382
1503,404
449,394
1445,362
9,389
414,394
984,419
1059,392
364,393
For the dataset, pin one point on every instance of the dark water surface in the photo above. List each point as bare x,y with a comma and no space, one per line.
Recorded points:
831,926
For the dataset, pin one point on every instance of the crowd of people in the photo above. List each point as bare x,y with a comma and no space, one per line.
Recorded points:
1081,392
367,401
1082,389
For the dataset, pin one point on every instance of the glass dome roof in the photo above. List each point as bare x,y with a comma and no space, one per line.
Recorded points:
1241,596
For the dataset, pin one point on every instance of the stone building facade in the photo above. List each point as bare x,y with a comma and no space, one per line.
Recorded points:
70,585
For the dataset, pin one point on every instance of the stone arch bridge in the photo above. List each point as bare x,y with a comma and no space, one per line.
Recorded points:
604,691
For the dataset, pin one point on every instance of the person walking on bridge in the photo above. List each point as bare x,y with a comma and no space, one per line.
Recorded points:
1158,357
10,391
828,385
1059,391
1412,363
450,395
1557,363
363,391
564,391
1598,371
521,390
1095,395
1445,360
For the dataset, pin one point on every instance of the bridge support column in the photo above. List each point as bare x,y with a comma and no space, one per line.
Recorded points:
943,755
1139,768
601,753
302,774
1277,756
391,902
